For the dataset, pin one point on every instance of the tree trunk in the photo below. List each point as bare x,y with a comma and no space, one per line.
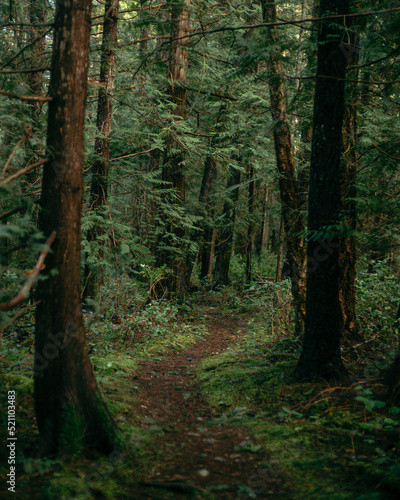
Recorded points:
347,251
281,248
209,175
100,168
250,227
225,236
289,191
266,223
321,357
172,169
69,410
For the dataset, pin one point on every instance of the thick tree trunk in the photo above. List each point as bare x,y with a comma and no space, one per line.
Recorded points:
172,168
69,410
321,357
100,168
347,251
225,237
290,196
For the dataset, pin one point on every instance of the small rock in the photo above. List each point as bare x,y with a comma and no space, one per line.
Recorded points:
203,472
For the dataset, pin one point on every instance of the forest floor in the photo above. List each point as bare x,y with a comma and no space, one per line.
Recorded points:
207,409
195,452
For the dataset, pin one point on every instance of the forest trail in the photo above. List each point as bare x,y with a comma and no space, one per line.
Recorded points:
195,455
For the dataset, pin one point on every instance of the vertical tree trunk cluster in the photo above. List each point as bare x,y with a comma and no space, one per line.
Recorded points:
69,411
289,191
100,167
320,357
173,175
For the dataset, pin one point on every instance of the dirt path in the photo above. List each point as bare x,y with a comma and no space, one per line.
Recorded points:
193,455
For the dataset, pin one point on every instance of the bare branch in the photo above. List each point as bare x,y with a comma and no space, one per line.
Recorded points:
18,315
12,71
132,154
6,306
15,211
26,97
23,171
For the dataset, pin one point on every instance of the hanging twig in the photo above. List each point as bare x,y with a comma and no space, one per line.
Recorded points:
6,306
21,141
23,171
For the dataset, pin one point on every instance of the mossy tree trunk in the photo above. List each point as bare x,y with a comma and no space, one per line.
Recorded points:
320,356
70,413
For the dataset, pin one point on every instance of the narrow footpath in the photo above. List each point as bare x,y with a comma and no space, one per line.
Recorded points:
196,457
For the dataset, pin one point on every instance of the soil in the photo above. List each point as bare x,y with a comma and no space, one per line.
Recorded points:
197,457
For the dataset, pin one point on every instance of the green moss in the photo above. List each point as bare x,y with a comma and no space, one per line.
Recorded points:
71,431
233,379
319,441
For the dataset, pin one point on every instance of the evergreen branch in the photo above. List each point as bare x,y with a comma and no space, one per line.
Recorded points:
32,98
26,47
385,152
205,92
6,306
367,82
285,23
371,63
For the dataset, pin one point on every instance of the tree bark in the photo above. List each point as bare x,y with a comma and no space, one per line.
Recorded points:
100,168
348,177
321,357
69,410
289,191
173,169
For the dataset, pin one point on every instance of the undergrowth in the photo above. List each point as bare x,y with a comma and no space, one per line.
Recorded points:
324,442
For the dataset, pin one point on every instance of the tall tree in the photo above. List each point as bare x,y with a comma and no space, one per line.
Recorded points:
173,174
100,168
69,410
289,191
320,356
347,252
